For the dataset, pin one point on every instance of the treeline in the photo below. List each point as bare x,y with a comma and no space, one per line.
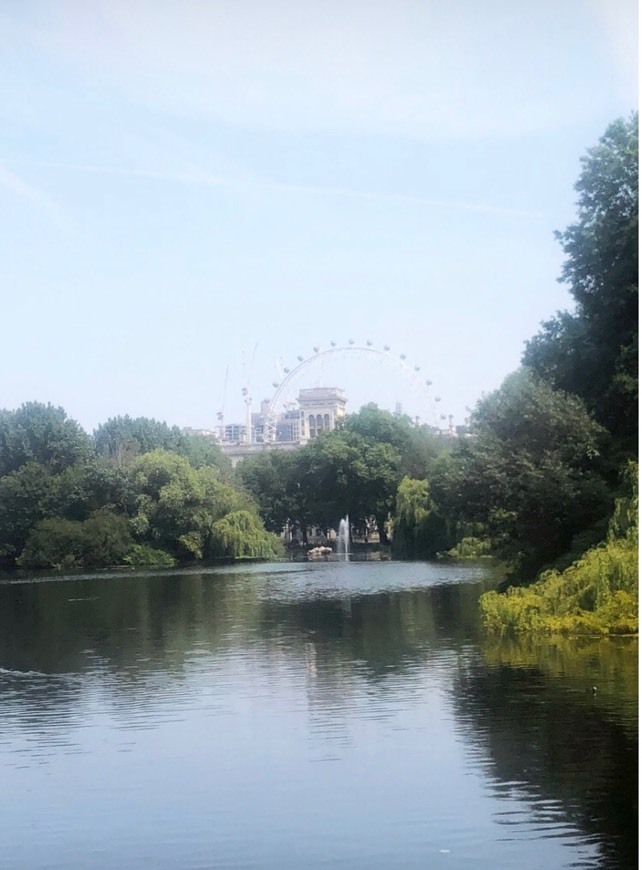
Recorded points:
136,493
542,482
551,475
542,479
358,469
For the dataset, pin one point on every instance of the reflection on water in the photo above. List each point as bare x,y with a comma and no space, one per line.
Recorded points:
305,715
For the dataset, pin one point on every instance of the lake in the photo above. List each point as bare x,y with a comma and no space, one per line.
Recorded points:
305,715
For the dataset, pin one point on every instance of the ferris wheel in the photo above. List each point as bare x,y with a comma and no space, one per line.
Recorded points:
398,362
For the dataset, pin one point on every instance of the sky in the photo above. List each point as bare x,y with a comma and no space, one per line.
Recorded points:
195,193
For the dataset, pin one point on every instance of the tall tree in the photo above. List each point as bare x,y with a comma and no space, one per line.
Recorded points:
593,352
122,439
531,473
40,433
273,479
174,506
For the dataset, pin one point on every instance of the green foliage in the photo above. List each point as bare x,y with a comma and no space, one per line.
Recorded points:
85,487
345,472
419,533
62,505
530,475
598,594
417,446
102,539
173,505
593,352
122,439
240,535
201,451
107,539
471,548
273,480
144,556
43,434
25,499
54,543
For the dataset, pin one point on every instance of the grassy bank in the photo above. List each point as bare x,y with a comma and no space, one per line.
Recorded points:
596,595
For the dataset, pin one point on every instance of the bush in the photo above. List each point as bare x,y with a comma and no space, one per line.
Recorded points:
597,594
103,539
144,556
240,535
54,543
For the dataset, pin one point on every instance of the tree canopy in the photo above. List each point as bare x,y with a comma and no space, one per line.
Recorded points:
531,473
593,351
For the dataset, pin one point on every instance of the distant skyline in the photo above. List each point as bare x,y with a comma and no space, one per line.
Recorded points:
194,194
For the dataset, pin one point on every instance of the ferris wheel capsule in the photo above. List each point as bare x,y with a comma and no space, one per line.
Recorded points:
369,343
437,398
315,349
417,368
351,341
333,344
429,383
275,384
386,347
287,371
300,358
402,356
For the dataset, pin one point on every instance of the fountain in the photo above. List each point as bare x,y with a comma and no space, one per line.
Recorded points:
343,539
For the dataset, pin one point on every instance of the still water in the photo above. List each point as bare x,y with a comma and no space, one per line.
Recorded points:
345,715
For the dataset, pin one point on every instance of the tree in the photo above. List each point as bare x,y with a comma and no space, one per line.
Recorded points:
593,352
103,539
174,506
273,480
418,446
419,532
87,486
25,498
201,450
531,473
240,535
344,472
122,439
40,433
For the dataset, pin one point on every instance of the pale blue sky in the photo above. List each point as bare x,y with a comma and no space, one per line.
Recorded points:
193,187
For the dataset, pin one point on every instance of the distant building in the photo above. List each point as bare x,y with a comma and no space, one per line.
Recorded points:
317,410
321,408
235,433
205,433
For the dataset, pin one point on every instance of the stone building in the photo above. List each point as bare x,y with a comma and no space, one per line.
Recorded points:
320,409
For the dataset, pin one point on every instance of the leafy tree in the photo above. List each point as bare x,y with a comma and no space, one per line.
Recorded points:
273,480
54,543
87,486
419,533
103,539
201,450
593,352
122,439
344,472
25,498
240,535
531,473
106,539
418,446
173,505
40,433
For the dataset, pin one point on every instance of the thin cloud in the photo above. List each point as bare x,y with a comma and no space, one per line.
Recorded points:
20,188
203,178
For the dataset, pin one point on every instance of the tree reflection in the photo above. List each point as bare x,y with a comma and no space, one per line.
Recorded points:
530,708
